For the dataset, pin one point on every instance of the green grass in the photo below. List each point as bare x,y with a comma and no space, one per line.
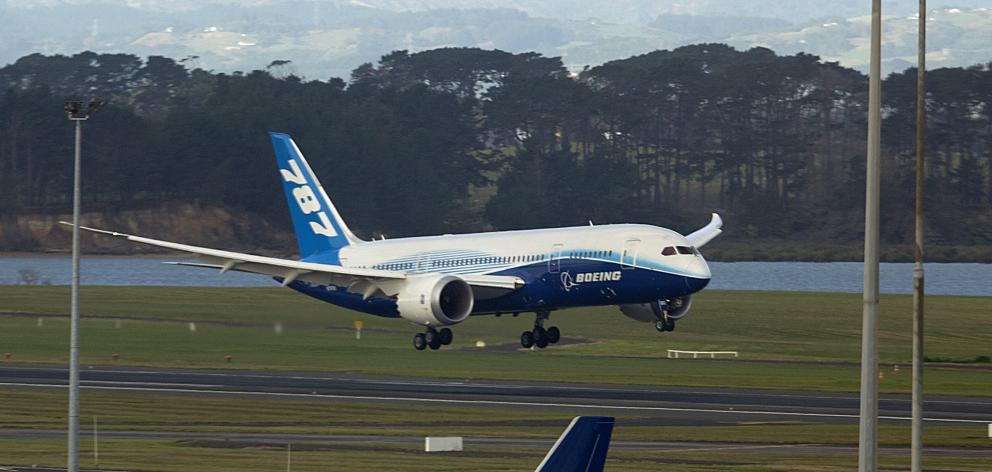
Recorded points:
786,340
45,409
150,326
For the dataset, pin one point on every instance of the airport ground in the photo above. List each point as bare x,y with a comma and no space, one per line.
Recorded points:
298,376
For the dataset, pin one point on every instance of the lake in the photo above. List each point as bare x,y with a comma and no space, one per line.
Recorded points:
941,279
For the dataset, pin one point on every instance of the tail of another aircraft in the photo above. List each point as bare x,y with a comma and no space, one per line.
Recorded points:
319,227
582,447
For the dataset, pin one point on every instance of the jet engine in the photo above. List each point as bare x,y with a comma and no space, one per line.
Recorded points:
435,300
649,312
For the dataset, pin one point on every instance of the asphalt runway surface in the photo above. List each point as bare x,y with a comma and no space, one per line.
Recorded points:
653,406
670,406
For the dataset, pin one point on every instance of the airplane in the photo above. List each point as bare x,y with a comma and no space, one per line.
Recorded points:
582,447
437,282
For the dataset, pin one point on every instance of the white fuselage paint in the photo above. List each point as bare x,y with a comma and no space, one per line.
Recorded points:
627,245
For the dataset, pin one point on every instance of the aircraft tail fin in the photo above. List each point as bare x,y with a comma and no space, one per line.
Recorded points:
582,447
319,227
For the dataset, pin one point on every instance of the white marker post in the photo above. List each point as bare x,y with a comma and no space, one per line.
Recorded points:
358,329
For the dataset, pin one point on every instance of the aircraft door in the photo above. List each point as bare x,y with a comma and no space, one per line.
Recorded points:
554,263
628,257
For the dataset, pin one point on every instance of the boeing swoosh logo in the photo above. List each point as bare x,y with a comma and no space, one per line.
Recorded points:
566,281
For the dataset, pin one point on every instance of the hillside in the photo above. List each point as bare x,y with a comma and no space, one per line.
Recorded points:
323,39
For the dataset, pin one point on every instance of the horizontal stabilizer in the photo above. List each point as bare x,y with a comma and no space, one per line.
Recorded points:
582,447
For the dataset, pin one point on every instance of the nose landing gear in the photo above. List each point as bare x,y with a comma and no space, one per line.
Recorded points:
539,336
665,322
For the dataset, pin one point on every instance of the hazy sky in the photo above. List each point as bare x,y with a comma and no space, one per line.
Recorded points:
326,38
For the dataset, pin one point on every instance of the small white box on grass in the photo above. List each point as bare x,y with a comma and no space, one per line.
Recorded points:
990,430
453,443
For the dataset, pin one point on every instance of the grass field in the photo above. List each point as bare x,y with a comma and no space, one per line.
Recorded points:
45,409
150,326
786,340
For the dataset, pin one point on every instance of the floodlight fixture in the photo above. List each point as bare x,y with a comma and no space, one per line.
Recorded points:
76,110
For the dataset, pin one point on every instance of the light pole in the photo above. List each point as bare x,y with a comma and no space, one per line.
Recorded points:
78,113
868,429
916,454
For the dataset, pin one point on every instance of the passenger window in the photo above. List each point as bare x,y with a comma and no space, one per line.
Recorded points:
668,251
684,250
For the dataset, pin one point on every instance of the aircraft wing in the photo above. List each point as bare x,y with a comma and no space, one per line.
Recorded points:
365,281
703,235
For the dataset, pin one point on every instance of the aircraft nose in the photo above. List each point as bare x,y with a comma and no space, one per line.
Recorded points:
697,275
697,268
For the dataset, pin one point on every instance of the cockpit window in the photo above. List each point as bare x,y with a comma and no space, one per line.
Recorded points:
684,249
668,251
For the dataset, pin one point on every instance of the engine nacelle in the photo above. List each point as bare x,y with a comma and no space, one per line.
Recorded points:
435,300
675,308
679,307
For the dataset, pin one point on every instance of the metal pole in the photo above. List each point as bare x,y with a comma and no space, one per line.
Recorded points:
917,421
74,334
96,444
868,443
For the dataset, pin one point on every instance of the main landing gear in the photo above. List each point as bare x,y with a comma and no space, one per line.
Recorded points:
540,337
432,338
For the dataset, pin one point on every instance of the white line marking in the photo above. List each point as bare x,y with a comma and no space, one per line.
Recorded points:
164,384
494,402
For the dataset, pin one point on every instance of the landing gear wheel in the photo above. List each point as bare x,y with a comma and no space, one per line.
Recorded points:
527,339
435,344
554,335
446,336
432,337
419,342
540,332
664,324
540,337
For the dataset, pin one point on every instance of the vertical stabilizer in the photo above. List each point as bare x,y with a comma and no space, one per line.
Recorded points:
582,447
319,228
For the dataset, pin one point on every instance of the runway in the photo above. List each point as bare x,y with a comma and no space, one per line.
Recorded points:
666,406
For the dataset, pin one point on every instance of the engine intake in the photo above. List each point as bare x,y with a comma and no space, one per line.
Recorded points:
435,300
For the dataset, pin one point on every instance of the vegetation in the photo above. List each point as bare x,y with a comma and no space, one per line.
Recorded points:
789,341
461,139
225,415
817,335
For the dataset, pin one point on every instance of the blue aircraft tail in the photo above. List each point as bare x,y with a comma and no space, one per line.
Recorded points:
582,447
319,227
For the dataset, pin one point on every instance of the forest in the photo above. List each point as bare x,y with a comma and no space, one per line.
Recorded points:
464,139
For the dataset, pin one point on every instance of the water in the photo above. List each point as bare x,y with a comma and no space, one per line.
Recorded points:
941,279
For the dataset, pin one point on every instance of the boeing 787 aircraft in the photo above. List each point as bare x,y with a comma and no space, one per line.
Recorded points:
435,282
